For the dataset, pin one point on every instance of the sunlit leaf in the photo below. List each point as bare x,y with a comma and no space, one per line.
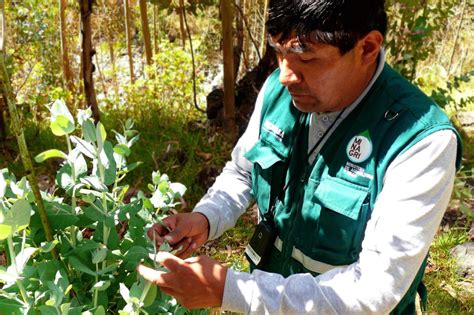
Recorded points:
61,126
3,185
16,219
85,147
178,189
122,149
53,153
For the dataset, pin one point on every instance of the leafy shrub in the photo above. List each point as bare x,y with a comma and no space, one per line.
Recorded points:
99,238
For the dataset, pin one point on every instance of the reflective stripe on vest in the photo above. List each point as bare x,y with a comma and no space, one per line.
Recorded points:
307,262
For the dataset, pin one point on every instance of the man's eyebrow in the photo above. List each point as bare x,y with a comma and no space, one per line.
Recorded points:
299,47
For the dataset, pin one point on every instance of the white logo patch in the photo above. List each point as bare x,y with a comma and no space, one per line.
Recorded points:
273,129
359,149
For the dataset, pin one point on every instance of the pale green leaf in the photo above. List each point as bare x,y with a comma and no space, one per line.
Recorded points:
99,310
53,153
99,255
124,292
178,189
16,219
122,149
88,130
84,147
3,185
101,286
61,126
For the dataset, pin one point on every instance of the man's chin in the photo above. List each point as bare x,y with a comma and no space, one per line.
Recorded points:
307,105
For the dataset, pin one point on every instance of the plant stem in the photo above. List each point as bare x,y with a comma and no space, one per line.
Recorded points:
11,249
73,228
96,291
9,98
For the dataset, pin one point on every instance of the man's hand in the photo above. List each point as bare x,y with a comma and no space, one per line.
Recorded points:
195,282
184,231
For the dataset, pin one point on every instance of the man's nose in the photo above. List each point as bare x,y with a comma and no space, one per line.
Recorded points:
288,73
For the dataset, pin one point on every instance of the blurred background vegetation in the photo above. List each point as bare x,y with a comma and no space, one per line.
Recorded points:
144,67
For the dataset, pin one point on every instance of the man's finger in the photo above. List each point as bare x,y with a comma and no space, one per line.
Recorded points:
192,247
169,261
160,278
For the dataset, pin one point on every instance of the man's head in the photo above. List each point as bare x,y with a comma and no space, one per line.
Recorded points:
327,49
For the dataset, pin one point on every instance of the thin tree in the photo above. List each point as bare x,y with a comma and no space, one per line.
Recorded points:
146,32
86,57
67,73
180,11
263,41
227,13
15,123
155,28
128,38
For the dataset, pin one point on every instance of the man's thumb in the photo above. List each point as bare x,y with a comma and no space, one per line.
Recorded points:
174,237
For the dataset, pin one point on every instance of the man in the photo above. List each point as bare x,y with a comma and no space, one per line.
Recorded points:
350,165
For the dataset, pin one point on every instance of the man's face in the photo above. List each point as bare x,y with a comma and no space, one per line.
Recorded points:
318,76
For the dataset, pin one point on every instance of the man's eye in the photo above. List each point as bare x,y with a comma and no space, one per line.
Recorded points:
307,60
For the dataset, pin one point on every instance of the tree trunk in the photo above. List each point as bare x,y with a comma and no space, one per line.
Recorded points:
227,13
67,74
263,42
129,39
155,28
146,32
240,41
181,23
15,123
3,129
86,57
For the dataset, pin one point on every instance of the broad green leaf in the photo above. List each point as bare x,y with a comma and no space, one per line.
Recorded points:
61,126
99,310
163,186
46,247
155,177
132,166
11,307
47,310
94,182
16,219
83,115
78,265
59,108
101,135
99,255
101,286
178,189
108,269
64,178
150,296
124,292
84,146
88,130
20,260
3,185
53,153
122,149
108,161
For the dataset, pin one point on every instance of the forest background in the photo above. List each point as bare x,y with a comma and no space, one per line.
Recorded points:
187,73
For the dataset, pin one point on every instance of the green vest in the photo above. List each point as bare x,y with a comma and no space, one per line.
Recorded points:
321,216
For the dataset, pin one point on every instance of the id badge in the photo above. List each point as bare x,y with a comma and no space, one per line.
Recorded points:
261,243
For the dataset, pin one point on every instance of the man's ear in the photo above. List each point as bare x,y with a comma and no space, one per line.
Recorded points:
370,46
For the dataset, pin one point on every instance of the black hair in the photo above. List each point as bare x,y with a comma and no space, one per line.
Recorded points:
340,23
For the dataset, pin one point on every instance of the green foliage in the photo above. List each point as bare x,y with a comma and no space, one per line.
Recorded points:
96,270
441,278
412,27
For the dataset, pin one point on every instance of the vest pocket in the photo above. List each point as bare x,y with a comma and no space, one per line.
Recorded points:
268,173
342,220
